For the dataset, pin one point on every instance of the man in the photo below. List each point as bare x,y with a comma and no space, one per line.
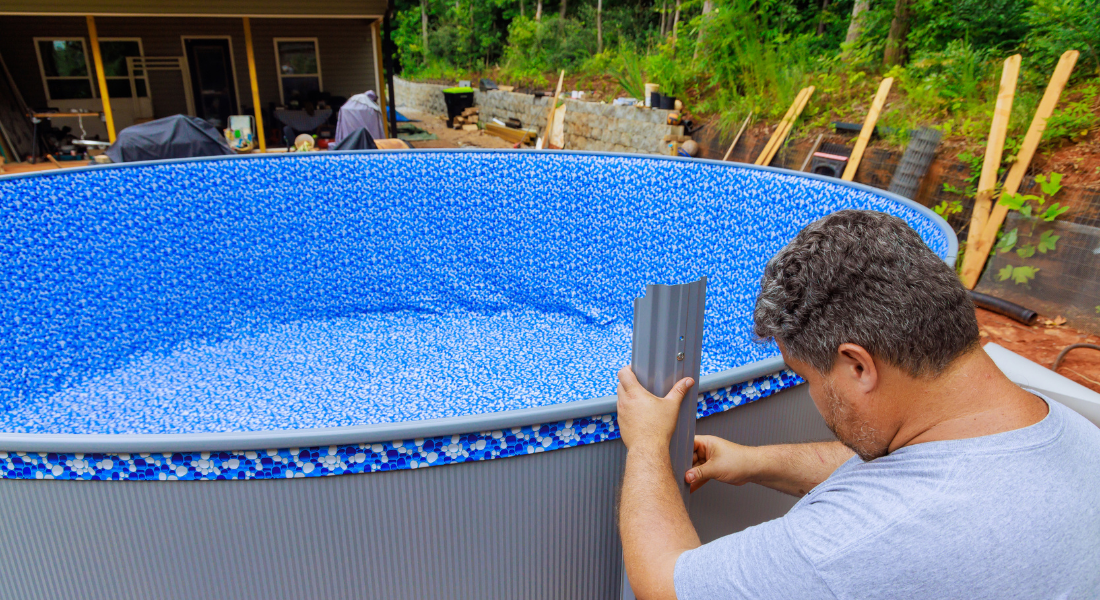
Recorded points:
948,480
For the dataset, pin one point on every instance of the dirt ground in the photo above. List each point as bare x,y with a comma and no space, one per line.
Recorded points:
450,138
1042,342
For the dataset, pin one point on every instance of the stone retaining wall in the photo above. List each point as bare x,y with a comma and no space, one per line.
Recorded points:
588,125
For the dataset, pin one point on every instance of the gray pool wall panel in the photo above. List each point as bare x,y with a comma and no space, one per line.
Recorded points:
535,527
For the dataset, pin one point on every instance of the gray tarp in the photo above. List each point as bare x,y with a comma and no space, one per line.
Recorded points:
357,140
178,136
359,112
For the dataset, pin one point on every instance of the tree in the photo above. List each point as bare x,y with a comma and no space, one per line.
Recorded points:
561,16
855,26
899,31
424,27
676,21
708,7
599,26
521,8
538,11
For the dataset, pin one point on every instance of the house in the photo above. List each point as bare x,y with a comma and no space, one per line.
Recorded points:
206,58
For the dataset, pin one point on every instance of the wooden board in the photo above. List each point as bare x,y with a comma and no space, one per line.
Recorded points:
978,253
868,129
781,135
775,134
994,148
550,113
737,137
508,134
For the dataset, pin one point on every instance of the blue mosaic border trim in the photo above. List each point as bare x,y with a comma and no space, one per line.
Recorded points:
358,458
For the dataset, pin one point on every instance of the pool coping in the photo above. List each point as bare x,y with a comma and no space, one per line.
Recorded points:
135,443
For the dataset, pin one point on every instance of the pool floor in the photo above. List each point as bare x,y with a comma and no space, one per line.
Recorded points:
374,368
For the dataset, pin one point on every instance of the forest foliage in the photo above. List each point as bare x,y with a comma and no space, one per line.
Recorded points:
728,57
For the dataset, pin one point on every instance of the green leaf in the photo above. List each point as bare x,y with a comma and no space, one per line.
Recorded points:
1054,211
1026,251
1004,273
1026,210
1023,274
1012,201
1050,186
1007,241
1048,241
1031,198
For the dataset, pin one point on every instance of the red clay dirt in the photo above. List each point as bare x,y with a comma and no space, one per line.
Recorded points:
1041,343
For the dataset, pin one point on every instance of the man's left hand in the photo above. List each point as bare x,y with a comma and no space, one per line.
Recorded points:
645,419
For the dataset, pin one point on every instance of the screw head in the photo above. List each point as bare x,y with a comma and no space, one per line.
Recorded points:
680,356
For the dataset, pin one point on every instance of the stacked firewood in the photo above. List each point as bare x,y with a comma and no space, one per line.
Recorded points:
467,121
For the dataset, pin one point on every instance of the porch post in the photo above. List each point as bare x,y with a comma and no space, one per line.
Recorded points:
255,86
380,80
101,76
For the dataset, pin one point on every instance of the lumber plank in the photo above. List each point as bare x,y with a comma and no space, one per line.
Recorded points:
868,129
977,254
994,148
786,117
508,134
782,137
545,139
737,137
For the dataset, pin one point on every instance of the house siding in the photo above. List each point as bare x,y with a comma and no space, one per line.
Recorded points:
345,49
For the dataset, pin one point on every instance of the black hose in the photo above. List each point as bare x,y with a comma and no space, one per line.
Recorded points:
1004,307
1065,351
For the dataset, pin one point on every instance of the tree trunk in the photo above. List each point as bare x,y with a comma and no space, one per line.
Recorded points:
561,16
664,16
821,17
855,27
424,27
521,8
599,26
899,31
708,7
538,11
676,22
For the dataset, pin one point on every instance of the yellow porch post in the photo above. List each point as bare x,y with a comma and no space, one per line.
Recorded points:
255,86
377,35
101,76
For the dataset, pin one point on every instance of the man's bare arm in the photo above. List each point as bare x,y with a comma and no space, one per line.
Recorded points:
793,469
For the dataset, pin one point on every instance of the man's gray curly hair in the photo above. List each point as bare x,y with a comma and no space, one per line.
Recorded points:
865,278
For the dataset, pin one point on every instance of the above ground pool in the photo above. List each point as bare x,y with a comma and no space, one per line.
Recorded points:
224,378
335,291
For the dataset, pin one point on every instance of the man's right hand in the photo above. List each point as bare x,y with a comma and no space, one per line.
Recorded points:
789,468
716,458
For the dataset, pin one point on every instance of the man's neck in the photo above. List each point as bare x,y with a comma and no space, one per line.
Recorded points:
972,398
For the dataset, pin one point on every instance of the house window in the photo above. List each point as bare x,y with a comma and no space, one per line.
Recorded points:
65,72
299,69
115,51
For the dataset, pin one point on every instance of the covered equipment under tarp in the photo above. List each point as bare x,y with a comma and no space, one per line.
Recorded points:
360,111
357,140
178,136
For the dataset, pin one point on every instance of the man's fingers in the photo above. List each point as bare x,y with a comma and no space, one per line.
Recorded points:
627,379
679,390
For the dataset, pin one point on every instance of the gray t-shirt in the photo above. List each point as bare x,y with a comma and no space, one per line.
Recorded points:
1011,515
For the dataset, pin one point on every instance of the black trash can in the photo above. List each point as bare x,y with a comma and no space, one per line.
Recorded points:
457,100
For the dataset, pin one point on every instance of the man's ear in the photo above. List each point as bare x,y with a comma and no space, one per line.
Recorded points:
855,364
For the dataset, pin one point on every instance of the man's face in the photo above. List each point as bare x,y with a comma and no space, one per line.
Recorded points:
843,409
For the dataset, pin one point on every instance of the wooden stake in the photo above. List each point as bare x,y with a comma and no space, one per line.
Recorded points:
786,127
545,139
994,147
977,254
251,55
810,154
868,129
737,137
778,128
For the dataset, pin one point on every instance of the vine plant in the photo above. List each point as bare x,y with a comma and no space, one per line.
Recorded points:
1027,242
